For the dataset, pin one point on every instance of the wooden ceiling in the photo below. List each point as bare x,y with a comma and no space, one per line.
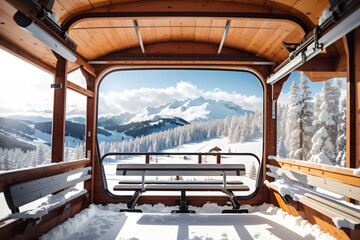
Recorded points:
100,36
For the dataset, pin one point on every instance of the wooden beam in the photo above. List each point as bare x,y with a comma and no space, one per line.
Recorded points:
11,178
276,87
59,111
324,76
130,59
90,131
79,89
178,8
85,65
324,66
31,13
352,48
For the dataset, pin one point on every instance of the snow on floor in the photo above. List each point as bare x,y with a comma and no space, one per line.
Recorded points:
263,222
254,146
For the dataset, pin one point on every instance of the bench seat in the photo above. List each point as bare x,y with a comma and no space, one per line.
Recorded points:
180,187
222,183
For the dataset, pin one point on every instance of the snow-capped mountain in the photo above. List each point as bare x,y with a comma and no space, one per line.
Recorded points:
37,130
191,110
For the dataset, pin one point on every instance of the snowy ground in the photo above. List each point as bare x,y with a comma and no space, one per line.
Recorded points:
255,147
263,222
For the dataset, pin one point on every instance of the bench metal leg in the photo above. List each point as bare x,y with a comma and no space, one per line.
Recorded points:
131,204
184,208
235,203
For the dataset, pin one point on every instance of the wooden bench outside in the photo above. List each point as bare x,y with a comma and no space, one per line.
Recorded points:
24,186
23,193
196,170
331,208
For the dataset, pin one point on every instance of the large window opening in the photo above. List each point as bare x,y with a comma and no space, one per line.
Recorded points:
26,105
311,120
195,112
75,119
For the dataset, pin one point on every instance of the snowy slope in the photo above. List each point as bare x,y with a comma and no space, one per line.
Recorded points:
197,109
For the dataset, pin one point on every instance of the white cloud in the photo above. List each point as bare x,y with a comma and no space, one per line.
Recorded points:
25,90
136,100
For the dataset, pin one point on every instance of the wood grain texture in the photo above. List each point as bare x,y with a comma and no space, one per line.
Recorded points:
314,217
10,178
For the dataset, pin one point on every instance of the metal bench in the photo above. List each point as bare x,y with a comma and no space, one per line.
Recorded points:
198,170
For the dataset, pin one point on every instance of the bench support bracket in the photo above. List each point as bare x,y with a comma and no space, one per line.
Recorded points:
131,204
235,203
184,208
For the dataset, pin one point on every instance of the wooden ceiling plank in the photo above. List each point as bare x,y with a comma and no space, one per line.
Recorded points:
131,36
148,34
259,40
202,34
162,34
99,3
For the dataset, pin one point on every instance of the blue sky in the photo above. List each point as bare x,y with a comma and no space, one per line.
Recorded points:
132,91
207,80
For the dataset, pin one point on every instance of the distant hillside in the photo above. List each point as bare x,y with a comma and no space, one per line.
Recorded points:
138,129
73,129
10,142
16,127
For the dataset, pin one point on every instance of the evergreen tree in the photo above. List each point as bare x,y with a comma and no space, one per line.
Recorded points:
323,148
281,150
333,108
293,125
306,119
252,174
341,141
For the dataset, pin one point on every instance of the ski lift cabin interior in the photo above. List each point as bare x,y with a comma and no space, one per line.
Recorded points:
267,38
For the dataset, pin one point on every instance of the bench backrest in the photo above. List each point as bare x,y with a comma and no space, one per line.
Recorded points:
180,169
321,182
20,194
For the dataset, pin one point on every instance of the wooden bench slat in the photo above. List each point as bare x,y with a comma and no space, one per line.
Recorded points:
328,211
346,209
325,183
166,167
179,187
180,182
180,169
27,192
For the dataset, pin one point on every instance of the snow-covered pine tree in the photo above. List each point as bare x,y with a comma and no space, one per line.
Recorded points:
281,150
341,141
252,174
306,119
293,125
333,108
279,130
323,149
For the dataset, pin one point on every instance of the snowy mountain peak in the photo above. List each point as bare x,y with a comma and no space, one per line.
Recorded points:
195,109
